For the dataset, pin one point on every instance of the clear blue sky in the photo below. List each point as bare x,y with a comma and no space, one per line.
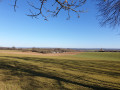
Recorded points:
17,29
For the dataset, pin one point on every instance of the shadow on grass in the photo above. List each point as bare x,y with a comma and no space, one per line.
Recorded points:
22,69
34,73
92,67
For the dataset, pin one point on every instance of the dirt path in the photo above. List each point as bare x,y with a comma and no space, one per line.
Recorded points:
34,53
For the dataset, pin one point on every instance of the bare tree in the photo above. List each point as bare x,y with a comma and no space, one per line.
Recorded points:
109,9
110,12
57,5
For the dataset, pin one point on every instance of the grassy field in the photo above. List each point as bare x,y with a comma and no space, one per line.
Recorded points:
83,71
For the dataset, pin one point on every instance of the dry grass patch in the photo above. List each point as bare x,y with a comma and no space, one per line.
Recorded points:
36,73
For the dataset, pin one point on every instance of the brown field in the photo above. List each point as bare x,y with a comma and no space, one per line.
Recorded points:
35,53
63,71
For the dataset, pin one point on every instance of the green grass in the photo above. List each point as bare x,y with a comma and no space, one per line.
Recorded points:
100,55
84,71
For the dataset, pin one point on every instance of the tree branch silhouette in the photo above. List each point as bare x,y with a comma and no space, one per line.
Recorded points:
109,9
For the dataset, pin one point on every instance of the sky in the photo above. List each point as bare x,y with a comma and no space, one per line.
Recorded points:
19,30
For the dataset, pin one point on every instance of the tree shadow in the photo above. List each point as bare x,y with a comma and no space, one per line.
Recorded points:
21,69
86,66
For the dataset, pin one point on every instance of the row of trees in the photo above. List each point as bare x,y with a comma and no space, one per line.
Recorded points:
40,50
52,50
58,50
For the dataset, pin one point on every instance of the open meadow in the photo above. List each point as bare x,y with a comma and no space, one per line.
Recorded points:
79,71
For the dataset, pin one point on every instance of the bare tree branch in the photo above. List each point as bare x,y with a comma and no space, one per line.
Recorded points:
15,5
110,12
109,9
58,5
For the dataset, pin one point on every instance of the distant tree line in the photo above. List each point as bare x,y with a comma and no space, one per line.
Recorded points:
40,50
51,50
108,50
58,50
